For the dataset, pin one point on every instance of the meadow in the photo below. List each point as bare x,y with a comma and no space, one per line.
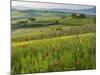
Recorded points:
56,54
52,42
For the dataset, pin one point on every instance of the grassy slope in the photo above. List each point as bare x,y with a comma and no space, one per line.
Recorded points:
55,39
46,20
56,54
27,34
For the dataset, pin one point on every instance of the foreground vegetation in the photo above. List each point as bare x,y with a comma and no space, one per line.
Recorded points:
75,52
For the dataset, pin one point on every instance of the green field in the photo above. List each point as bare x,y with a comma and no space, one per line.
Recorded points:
57,54
52,41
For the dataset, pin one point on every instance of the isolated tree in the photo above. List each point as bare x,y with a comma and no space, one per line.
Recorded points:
56,22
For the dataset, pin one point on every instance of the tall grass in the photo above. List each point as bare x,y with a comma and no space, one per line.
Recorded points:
66,53
21,35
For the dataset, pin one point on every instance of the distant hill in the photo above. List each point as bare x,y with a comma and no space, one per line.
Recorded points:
19,7
90,11
26,12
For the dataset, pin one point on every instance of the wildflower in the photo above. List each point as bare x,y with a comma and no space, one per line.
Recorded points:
53,50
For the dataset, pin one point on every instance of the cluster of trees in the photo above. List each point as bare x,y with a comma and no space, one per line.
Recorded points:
24,23
27,21
32,19
78,15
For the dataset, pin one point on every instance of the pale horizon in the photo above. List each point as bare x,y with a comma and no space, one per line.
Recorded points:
39,5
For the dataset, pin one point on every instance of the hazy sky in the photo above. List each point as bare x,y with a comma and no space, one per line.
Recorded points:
47,5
